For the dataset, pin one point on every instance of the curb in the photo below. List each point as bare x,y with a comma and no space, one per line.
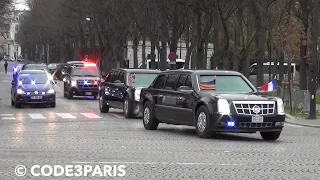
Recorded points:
291,120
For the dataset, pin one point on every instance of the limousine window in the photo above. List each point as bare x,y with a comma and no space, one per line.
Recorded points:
224,84
142,80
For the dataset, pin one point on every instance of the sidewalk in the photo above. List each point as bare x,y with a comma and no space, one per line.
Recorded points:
303,122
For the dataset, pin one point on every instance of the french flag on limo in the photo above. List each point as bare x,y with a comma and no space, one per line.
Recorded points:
271,86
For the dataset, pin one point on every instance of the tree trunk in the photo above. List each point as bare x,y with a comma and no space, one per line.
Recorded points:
144,57
153,54
136,39
303,68
48,52
190,45
194,58
175,28
261,43
199,52
281,68
163,56
215,60
205,56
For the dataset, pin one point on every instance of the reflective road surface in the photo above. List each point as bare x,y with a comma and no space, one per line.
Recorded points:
76,133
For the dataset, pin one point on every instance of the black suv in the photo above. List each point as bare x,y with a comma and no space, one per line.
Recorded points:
212,101
122,88
32,87
82,81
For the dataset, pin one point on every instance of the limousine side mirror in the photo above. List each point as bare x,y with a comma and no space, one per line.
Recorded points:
185,89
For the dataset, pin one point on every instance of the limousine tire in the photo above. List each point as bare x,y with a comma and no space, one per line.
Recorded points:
102,106
270,136
203,122
149,120
127,107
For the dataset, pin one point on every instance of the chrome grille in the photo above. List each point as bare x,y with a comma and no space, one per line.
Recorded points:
255,125
247,107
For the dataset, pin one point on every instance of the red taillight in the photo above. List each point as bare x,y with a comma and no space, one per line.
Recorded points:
95,82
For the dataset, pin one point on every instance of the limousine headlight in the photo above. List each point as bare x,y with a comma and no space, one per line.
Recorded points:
223,107
137,94
280,107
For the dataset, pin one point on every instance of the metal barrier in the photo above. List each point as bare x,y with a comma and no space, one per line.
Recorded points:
300,99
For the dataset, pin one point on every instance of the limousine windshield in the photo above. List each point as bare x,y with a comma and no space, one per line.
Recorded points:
224,84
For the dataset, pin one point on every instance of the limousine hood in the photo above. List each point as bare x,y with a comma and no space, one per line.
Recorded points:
242,97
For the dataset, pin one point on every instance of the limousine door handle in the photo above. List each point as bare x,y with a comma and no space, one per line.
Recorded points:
181,100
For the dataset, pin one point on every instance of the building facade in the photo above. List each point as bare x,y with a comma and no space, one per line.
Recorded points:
181,52
8,33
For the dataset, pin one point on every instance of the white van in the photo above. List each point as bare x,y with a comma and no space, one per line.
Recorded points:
294,71
179,64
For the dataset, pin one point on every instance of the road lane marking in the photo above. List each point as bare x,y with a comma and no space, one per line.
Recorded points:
8,118
91,115
6,115
66,115
117,116
5,81
36,116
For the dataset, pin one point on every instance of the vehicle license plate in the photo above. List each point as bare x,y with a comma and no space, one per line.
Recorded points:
257,119
36,97
88,93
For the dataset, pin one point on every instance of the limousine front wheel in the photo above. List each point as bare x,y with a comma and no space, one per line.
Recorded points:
203,123
149,120
270,136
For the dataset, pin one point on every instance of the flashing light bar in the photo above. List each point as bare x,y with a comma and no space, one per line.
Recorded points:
89,65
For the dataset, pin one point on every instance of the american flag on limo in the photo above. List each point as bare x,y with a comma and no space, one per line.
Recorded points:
132,79
208,86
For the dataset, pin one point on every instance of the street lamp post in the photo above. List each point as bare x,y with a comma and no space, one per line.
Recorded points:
313,65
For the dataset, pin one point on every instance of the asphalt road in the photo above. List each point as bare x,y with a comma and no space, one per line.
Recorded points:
75,132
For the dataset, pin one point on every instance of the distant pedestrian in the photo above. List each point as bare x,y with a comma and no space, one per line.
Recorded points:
5,66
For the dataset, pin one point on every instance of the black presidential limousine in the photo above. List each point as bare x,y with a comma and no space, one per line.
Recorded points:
212,101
